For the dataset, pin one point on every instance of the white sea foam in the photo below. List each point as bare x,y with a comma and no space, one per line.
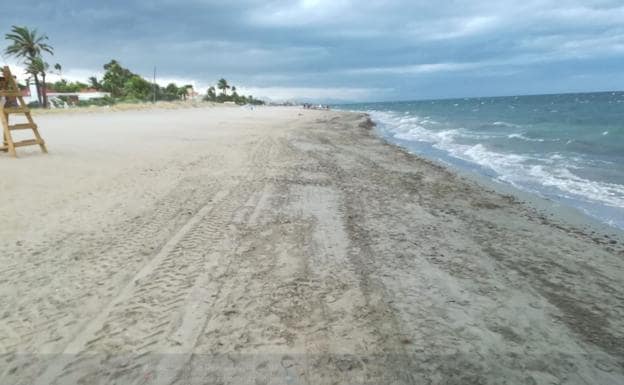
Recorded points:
552,172
565,180
520,170
520,136
504,124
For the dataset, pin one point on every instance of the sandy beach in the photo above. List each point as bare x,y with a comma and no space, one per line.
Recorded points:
286,246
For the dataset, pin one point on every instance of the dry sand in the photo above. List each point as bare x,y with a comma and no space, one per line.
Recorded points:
282,246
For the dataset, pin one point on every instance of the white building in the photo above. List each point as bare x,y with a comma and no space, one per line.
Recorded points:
83,95
30,94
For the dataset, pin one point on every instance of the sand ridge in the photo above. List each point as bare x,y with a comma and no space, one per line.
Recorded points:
282,246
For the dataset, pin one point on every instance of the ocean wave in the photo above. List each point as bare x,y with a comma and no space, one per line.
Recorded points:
551,171
565,180
421,134
504,124
525,138
521,171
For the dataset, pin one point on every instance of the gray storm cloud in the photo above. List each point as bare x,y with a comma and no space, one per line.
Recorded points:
374,50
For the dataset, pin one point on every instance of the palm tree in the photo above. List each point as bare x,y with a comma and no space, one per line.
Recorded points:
93,83
59,69
223,86
28,44
211,95
183,92
235,97
35,67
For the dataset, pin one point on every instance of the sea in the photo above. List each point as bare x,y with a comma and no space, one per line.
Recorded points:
568,148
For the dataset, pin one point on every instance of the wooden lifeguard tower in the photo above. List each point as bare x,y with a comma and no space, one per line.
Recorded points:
12,103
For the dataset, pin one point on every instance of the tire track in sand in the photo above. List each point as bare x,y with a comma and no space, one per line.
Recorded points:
149,330
92,267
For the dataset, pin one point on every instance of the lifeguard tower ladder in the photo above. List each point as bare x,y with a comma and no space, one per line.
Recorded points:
12,103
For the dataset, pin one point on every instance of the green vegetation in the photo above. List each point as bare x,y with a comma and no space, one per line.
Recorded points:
222,84
94,83
29,46
126,86
65,86
115,79
36,66
122,84
211,95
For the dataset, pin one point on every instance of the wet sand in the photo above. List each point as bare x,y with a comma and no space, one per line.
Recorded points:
286,246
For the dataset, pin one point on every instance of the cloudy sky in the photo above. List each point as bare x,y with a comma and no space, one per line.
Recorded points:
341,49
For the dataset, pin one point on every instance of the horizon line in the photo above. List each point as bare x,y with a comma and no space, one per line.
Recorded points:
480,97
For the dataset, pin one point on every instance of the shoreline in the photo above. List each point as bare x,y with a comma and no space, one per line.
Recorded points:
283,244
561,213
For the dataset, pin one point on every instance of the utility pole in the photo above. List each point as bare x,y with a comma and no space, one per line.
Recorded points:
154,99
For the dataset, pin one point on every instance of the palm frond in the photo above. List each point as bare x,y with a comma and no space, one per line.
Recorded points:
27,43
